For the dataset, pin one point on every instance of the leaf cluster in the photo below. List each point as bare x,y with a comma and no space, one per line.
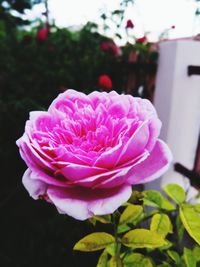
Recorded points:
149,230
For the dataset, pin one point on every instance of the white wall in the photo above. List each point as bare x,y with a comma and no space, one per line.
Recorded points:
177,100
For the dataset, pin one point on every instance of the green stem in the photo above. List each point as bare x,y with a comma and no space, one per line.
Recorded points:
117,252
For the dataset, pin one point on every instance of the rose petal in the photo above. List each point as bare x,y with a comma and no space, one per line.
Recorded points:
38,174
64,157
30,155
154,131
75,172
33,185
136,144
34,115
82,204
154,166
109,158
92,181
70,94
115,180
123,174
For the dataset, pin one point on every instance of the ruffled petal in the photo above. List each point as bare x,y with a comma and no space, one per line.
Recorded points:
83,204
136,144
109,158
32,158
154,166
123,173
67,99
40,175
154,131
33,184
76,172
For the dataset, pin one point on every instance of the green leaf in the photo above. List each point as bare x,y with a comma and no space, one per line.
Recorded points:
164,264
129,215
166,246
103,260
197,207
126,204
191,221
118,12
143,238
111,249
196,252
136,197
94,241
174,256
103,218
180,229
136,260
103,16
118,35
175,192
115,262
155,199
92,221
189,258
161,224
123,228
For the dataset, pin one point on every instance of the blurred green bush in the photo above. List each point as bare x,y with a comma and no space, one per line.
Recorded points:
32,73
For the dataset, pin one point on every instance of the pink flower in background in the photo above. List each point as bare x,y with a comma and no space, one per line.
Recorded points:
42,34
105,82
142,40
85,153
129,24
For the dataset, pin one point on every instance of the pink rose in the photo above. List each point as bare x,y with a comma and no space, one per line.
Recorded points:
85,153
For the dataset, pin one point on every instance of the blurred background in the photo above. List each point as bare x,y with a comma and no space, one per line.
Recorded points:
47,47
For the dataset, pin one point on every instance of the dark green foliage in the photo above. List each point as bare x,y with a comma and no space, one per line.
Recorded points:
32,74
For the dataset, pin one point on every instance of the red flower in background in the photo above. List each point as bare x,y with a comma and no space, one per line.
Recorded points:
141,40
173,27
129,24
42,34
116,50
110,46
105,82
105,46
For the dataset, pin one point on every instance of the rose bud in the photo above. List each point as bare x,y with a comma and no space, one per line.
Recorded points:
129,24
105,83
142,40
42,34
